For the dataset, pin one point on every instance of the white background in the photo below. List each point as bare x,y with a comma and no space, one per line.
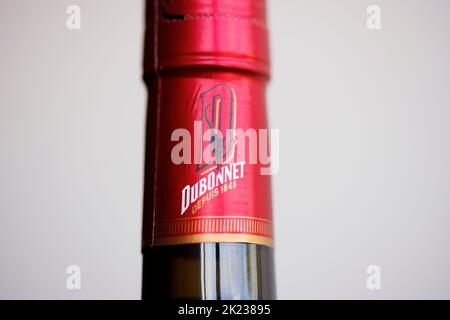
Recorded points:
365,148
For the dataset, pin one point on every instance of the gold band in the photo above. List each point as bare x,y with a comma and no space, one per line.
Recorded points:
214,225
214,237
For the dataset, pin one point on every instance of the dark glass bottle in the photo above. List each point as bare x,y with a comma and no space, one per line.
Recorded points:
177,62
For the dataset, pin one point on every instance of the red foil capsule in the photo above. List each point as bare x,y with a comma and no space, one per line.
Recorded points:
206,66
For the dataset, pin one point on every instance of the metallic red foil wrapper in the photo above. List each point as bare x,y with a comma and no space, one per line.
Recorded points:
206,66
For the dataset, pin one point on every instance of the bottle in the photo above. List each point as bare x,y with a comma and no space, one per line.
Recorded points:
207,226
